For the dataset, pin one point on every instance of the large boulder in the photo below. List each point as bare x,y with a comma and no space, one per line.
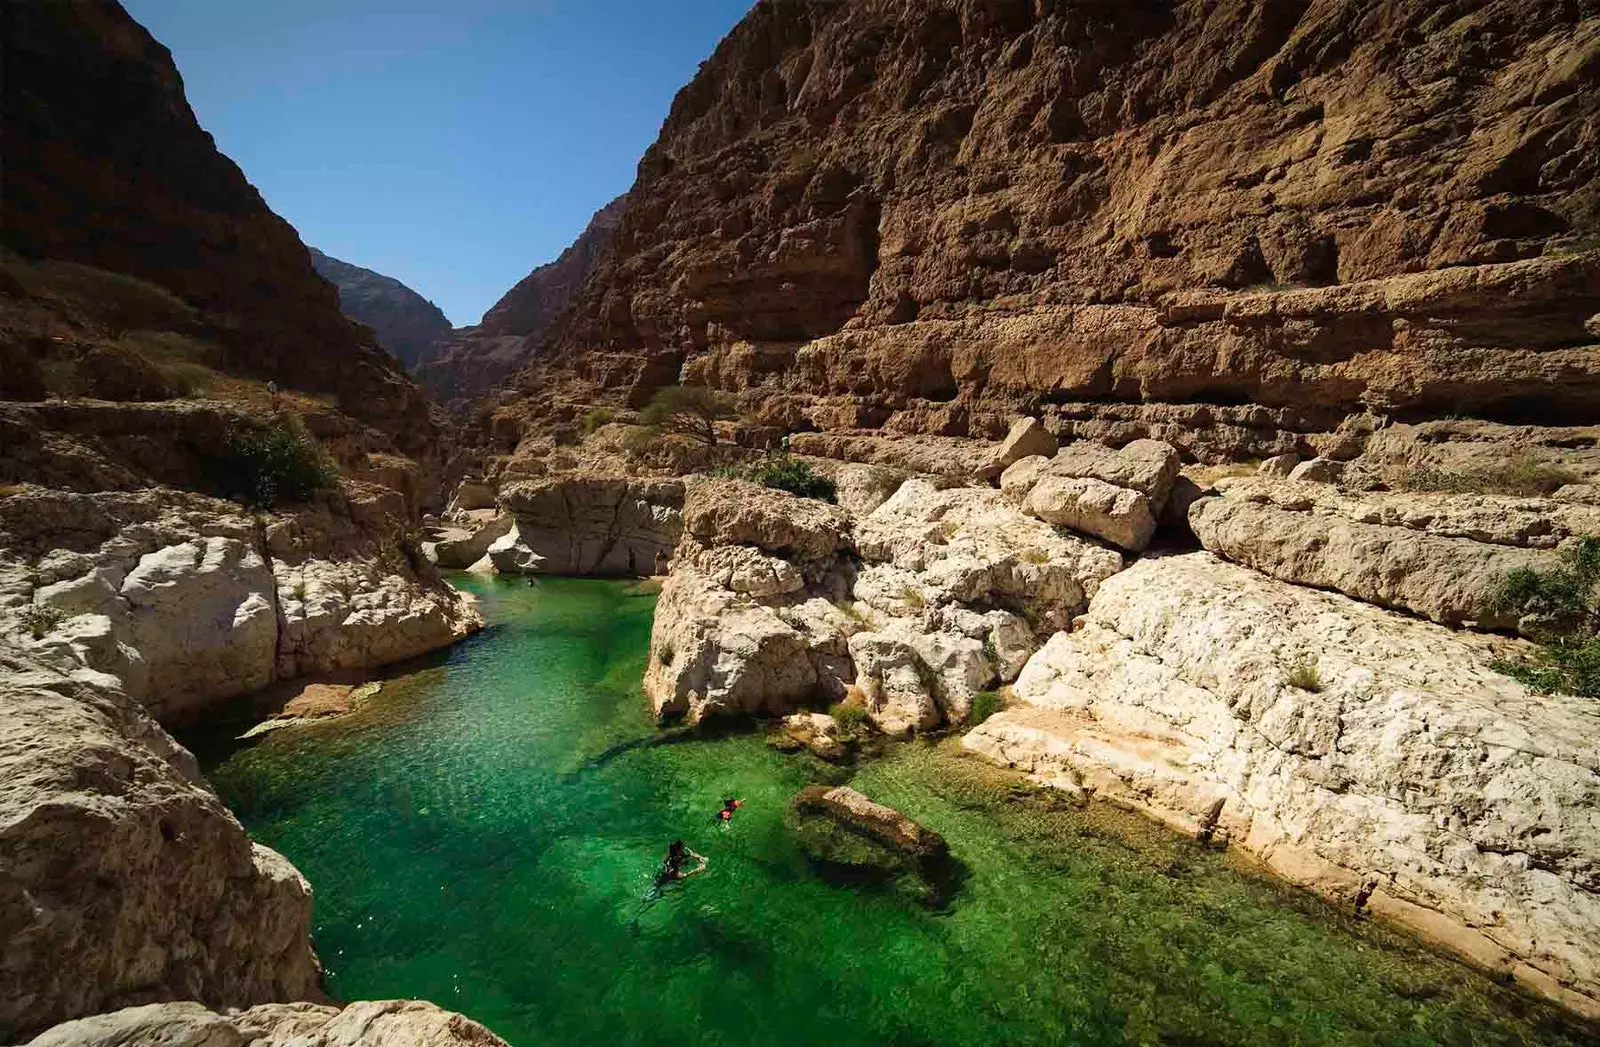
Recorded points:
123,878
589,525
914,678
1346,743
468,541
1027,438
1146,466
1437,555
382,1023
1117,514
738,512
714,652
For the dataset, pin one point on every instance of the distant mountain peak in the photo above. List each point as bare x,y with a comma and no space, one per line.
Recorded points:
405,322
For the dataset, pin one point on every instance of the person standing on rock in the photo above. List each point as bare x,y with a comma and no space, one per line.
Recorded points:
1364,895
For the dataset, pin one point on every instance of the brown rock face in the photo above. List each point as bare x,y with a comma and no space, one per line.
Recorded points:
477,359
1130,219
405,322
106,167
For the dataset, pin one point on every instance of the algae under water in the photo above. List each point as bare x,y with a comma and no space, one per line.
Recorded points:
468,846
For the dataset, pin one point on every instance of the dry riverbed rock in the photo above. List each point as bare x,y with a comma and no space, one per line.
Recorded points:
1115,495
1346,742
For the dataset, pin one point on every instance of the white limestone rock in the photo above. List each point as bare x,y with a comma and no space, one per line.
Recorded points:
1116,514
1469,798
1027,438
369,1023
122,875
1439,556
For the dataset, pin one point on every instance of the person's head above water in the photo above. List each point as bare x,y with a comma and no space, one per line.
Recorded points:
676,849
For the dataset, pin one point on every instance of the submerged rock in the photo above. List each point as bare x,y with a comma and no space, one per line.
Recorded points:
853,839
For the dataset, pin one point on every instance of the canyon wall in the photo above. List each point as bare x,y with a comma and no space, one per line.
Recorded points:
138,247
476,360
405,322
1230,225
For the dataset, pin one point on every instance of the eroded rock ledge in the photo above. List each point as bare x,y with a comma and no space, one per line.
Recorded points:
1471,800
183,600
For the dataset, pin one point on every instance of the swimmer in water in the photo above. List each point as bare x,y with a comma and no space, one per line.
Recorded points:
724,817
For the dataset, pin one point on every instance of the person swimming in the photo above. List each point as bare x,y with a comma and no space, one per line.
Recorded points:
724,817
672,865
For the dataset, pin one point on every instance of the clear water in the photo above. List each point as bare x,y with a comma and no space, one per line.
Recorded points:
470,844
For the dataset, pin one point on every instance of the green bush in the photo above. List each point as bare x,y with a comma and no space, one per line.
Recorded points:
1306,676
1523,476
598,417
783,472
851,716
984,705
39,619
266,466
1560,609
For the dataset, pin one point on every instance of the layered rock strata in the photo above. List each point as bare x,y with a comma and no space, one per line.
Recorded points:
1441,556
1228,226
123,878
1345,743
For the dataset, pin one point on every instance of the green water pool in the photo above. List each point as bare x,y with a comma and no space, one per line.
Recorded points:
482,835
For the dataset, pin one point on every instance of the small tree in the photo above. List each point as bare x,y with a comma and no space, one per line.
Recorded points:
265,466
1560,609
689,410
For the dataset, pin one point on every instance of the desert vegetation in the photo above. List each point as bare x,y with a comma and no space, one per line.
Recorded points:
1560,609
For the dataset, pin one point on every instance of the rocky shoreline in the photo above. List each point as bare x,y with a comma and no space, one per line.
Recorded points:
1170,681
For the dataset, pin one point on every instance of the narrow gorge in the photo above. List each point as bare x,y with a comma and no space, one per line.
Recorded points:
1153,448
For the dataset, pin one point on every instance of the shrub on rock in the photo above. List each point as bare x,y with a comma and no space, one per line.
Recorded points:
1560,609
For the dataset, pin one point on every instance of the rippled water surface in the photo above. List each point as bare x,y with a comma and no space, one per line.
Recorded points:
481,835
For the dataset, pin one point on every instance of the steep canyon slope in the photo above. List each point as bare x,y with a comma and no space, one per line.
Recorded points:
405,322
1219,223
476,360
163,335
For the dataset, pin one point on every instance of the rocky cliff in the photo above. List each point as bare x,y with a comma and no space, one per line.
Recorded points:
478,359
162,334
1229,225
144,264
405,322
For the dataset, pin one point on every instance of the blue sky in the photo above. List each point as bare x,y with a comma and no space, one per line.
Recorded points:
452,144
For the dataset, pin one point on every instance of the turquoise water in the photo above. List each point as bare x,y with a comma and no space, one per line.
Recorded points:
482,835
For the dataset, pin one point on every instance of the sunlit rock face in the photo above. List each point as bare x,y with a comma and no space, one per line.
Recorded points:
1227,225
1346,744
